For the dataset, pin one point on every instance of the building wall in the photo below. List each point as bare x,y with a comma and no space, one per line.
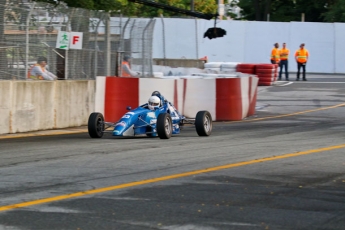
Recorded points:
251,42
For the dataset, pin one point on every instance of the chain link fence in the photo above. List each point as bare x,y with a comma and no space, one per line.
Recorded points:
30,30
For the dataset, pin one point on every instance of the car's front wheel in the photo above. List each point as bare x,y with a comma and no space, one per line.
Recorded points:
164,126
203,123
96,125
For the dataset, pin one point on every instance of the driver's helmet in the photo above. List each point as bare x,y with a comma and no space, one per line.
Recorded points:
154,101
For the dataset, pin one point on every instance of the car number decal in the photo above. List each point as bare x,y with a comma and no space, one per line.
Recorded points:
151,115
122,123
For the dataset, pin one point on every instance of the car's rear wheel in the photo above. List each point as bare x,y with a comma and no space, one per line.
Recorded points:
96,125
203,123
164,126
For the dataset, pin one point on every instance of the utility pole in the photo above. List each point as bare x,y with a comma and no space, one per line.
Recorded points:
221,9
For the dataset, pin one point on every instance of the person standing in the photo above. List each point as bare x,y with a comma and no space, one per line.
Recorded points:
284,56
126,69
301,57
275,54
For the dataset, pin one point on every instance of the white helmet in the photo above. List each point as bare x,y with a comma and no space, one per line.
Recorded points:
153,102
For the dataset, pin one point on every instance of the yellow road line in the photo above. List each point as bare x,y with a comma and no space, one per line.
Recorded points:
290,114
165,178
43,133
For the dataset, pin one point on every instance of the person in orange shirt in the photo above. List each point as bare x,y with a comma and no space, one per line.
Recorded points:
301,57
284,56
275,54
126,69
39,71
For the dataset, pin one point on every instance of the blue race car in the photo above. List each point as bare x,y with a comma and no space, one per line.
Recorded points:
161,119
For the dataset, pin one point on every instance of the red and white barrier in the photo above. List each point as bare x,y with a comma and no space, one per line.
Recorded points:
225,98
267,73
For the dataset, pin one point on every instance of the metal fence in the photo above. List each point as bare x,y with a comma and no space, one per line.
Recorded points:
30,30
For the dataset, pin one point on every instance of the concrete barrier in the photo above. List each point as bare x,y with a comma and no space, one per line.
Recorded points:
5,106
41,105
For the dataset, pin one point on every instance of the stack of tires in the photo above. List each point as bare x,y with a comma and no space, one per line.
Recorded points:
246,68
228,67
212,67
267,73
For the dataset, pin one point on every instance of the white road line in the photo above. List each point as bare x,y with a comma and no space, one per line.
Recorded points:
323,82
285,84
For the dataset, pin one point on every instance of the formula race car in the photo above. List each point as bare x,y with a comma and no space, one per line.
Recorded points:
158,117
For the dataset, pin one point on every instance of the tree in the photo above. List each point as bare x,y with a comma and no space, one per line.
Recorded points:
335,12
106,5
312,9
256,10
138,10
286,10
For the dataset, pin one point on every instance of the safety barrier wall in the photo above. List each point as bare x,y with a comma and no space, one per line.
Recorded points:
40,105
225,98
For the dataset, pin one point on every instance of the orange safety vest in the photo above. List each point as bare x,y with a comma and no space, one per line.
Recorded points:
284,54
35,77
275,55
123,72
302,55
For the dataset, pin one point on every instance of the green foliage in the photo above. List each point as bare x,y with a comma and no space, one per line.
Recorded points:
107,5
336,12
313,9
203,6
292,10
133,9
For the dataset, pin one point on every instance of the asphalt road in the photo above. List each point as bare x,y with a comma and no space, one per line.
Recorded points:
283,168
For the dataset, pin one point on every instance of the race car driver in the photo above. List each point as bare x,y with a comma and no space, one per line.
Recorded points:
154,102
162,100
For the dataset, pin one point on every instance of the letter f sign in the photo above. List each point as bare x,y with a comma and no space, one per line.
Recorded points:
75,39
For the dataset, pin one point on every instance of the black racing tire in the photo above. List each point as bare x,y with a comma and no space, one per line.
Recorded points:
96,125
164,126
203,123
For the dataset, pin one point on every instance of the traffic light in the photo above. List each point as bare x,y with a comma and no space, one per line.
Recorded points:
214,32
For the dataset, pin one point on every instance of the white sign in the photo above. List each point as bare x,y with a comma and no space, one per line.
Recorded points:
62,41
76,40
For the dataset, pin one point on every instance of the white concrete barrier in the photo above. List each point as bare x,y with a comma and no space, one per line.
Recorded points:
40,105
5,106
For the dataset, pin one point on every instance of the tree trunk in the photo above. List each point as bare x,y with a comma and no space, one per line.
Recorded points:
267,11
257,10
